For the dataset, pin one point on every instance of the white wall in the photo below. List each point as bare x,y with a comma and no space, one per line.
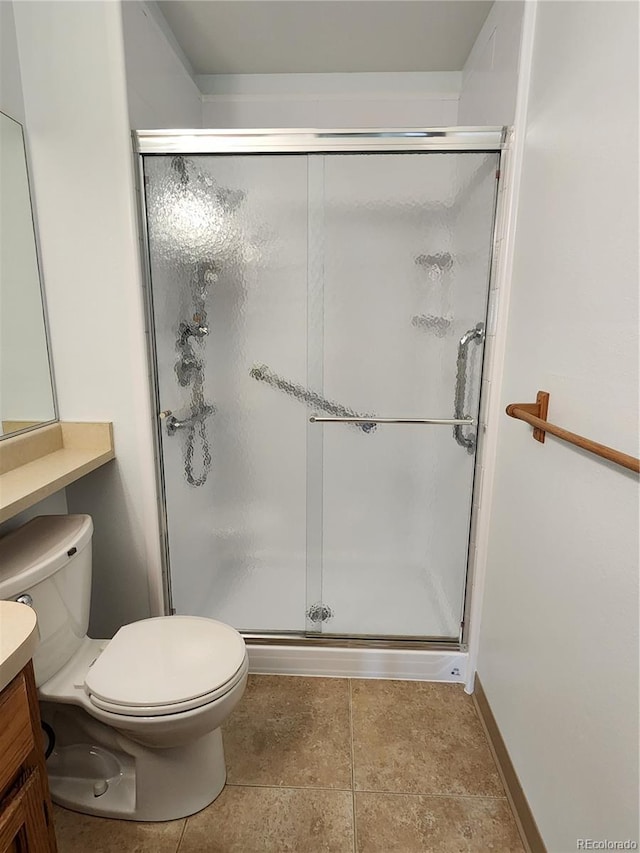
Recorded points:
11,99
330,100
72,64
160,90
559,638
490,74
55,504
12,103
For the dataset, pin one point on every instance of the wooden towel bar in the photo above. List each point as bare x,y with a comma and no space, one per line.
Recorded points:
536,415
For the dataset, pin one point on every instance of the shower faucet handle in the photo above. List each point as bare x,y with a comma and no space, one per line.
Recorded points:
197,416
191,330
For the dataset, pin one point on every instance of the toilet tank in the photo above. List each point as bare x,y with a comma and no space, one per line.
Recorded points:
47,562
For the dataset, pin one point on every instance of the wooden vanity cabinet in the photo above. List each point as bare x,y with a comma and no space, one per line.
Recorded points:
26,816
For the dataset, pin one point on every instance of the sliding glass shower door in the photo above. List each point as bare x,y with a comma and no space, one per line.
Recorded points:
404,276
313,316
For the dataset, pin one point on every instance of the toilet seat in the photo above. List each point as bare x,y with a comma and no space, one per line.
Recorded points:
166,665
167,710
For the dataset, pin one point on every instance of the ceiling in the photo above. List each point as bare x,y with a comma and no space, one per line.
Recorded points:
305,36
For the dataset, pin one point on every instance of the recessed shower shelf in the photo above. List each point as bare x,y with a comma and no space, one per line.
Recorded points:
36,464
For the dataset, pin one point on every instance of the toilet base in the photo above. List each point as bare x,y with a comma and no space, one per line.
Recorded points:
97,770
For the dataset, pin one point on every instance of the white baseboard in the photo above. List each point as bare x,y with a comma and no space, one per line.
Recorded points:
412,664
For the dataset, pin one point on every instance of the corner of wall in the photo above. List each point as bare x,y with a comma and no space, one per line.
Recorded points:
501,289
11,96
161,89
490,75
72,61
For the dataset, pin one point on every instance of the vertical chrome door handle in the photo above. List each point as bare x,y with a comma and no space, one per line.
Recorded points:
476,334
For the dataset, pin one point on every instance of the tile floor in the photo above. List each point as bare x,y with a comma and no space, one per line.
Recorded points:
335,765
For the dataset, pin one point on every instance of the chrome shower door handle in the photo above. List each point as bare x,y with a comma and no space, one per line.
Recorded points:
476,334
317,419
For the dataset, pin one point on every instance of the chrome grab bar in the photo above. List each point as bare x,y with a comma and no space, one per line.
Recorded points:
173,424
262,373
315,419
467,441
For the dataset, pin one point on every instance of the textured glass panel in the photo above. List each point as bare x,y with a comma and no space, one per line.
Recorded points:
407,243
334,284
228,246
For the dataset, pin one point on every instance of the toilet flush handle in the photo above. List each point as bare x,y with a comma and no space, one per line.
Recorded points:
25,598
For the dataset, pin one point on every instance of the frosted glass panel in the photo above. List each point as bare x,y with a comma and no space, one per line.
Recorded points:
407,243
340,285
228,236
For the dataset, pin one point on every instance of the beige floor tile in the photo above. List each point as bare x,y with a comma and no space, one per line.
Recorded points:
418,737
79,833
399,823
290,731
272,820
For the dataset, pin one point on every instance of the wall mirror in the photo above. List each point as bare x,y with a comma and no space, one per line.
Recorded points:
27,397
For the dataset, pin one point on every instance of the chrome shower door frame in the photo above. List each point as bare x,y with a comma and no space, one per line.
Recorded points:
312,141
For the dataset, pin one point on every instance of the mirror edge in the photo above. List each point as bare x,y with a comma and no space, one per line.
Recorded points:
43,295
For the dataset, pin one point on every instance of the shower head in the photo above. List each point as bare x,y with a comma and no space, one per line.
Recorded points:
179,165
228,199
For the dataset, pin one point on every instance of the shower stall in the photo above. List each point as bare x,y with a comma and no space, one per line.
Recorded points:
317,307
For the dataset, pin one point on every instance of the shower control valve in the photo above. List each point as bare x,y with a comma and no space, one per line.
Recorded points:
191,330
197,416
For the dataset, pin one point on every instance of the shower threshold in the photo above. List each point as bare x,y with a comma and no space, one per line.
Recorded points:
426,659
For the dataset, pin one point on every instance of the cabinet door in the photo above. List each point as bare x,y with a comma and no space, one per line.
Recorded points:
23,827
16,730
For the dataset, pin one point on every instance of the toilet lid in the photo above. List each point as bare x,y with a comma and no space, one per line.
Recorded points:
165,661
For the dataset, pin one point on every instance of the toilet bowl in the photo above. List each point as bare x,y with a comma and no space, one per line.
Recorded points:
134,722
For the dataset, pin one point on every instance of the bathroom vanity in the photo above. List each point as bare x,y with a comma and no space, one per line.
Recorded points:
26,819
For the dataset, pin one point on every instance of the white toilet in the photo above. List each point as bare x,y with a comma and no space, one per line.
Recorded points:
136,719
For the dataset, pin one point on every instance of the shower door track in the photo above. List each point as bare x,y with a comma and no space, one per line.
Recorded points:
305,141
344,641
292,141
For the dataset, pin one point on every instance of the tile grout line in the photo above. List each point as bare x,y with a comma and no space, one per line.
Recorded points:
353,768
428,794
449,794
285,787
445,794
182,835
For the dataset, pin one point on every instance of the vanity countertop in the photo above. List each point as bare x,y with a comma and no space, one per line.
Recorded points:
35,464
18,639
